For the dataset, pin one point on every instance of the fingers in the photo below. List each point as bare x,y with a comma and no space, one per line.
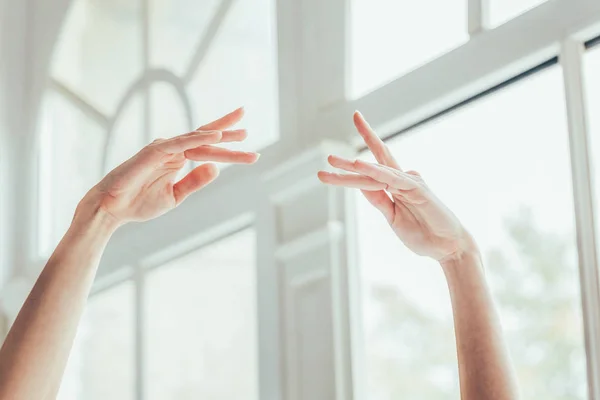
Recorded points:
198,178
373,191
181,143
374,143
392,178
217,154
225,122
382,202
341,163
211,133
351,181
238,135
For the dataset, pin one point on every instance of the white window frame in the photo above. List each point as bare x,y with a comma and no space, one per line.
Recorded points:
313,67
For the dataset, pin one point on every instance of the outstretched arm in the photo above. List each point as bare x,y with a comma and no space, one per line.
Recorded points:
429,228
35,352
485,370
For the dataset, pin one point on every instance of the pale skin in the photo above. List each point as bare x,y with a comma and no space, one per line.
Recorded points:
34,355
427,227
35,352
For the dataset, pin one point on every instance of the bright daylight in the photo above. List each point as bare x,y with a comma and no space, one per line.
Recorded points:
300,199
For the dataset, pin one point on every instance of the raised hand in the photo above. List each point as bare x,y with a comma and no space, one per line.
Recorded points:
143,187
417,216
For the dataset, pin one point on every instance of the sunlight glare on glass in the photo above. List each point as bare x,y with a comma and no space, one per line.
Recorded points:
502,11
486,161
392,37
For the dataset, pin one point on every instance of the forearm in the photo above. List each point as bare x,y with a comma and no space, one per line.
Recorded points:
484,366
34,355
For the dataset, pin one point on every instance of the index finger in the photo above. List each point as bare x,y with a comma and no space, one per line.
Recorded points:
224,122
180,144
374,143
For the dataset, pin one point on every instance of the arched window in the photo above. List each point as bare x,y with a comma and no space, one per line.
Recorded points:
125,72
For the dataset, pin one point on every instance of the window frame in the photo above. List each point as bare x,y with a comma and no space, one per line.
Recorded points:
313,74
137,274
586,207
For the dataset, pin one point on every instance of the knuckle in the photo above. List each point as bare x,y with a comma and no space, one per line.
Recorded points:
416,176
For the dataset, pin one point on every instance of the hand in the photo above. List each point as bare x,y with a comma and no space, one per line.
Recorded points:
417,216
143,187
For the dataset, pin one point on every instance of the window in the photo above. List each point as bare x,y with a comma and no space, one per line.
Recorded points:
391,38
99,52
502,11
240,67
502,164
201,324
101,365
68,167
592,76
124,72
108,95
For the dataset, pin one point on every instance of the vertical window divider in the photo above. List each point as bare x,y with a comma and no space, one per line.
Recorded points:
571,57
478,18
139,272
146,66
355,298
138,279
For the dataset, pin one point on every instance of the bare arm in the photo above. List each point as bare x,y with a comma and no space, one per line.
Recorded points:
485,370
37,347
429,228
35,352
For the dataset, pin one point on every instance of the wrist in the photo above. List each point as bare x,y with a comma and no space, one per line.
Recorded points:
463,265
90,213
467,254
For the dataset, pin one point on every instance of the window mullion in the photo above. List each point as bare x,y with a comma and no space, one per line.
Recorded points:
571,59
138,276
139,333
323,47
478,16
146,63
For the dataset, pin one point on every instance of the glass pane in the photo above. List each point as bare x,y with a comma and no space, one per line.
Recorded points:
71,152
168,115
102,363
503,166
177,28
204,306
502,11
99,54
592,80
128,135
240,70
391,38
